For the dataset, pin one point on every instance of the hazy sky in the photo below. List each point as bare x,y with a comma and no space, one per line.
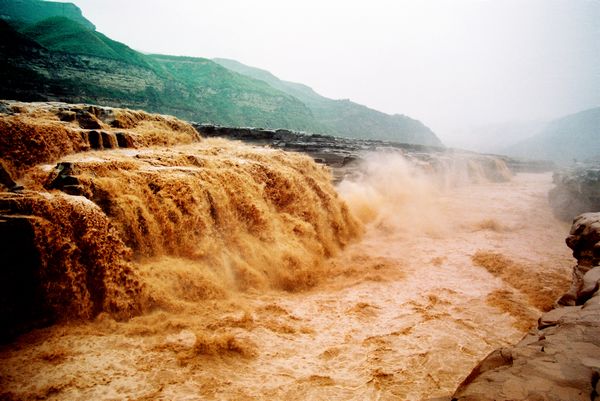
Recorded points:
451,64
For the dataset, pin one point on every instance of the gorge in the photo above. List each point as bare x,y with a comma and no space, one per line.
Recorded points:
163,263
175,227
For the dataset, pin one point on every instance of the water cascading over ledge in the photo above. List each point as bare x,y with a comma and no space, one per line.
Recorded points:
112,196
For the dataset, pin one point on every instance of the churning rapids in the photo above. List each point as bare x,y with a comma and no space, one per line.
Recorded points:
407,285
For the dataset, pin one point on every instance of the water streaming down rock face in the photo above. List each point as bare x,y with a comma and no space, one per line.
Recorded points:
266,217
245,218
34,133
81,261
211,231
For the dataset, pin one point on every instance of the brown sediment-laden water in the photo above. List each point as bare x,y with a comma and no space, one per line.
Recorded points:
225,272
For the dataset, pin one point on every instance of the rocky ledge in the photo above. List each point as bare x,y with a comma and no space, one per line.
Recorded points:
344,155
577,190
560,359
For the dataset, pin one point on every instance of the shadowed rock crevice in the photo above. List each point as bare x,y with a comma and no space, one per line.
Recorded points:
21,297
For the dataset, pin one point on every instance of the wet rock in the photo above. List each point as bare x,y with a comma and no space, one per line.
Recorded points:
573,295
7,180
21,295
60,260
584,239
593,302
63,178
560,365
560,359
590,282
32,133
104,114
95,140
67,115
109,140
529,166
344,154
5,107
124,140
553,317
576,191
86,120
498,358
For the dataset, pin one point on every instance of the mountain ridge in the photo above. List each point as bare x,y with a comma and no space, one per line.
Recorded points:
341,117
32,11
574,137
62,59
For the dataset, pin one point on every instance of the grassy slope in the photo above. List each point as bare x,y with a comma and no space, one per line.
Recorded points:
32,11
237,99
65,35
191,88
343,117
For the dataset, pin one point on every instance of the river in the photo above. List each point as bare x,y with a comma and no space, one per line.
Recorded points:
443,275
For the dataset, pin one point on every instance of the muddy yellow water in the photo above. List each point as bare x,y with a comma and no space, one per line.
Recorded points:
441,277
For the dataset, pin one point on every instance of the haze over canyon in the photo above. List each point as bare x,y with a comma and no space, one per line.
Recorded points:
300,200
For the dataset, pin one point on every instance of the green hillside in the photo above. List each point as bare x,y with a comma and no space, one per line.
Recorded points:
49,64
32,11
571,138
227,98
65,35
343,117
13,41
302,92
61,59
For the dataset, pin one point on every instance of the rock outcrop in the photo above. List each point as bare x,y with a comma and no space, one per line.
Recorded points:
34,133
343,155
576,191
519,165
560,359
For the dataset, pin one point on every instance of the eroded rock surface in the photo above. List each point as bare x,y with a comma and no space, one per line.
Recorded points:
344,154
560,359
34,133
